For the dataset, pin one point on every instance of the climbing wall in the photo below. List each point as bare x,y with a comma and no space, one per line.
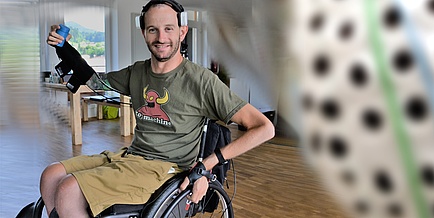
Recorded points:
366,96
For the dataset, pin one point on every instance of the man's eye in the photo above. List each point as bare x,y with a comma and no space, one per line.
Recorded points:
151,30
169,29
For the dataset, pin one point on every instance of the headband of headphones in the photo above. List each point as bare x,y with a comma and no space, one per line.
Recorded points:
181,14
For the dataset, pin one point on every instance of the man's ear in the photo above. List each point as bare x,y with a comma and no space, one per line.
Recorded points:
183,30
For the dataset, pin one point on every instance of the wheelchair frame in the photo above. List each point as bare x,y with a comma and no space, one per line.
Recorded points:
165,202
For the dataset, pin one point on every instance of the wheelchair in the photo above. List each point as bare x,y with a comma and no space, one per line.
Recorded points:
165,202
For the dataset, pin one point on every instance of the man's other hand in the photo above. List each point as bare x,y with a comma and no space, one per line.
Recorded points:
199,189
54,38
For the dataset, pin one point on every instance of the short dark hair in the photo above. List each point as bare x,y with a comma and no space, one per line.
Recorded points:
171,3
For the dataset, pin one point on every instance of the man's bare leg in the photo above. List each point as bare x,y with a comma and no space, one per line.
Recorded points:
69,200
50,180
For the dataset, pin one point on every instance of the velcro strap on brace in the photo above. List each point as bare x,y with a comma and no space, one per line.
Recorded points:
198,171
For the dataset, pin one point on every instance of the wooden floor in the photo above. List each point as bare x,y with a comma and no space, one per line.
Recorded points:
272,180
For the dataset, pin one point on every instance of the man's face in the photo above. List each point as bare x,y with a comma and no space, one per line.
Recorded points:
162,34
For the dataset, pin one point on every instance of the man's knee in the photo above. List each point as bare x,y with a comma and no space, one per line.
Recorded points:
55,170
67,185
69,198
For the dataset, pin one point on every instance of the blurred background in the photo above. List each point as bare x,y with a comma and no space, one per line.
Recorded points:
350,81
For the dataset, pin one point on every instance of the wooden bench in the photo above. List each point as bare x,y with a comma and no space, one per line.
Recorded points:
127,119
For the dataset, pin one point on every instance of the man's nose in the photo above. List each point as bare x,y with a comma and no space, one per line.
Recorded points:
161,36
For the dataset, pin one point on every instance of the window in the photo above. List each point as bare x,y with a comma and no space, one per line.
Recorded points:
87,24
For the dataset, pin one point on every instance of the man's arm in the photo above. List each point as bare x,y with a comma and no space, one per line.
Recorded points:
71,59
259,130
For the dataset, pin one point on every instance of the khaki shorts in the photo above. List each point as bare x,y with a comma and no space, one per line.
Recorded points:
118,178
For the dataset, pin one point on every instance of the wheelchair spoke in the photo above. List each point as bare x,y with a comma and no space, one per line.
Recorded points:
215,204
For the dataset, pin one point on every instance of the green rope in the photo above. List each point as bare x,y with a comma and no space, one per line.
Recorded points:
394,108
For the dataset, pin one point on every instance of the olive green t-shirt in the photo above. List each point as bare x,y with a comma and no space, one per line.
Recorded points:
170,108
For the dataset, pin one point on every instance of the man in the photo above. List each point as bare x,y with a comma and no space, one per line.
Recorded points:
170,96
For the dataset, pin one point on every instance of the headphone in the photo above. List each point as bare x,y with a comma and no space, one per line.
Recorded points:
181,14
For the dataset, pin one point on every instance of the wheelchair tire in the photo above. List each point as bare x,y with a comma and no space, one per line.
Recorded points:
32,210
176,205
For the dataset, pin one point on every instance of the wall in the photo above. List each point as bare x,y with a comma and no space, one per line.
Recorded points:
124,30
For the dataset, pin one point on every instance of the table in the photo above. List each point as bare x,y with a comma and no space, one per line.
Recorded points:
75,110
127,119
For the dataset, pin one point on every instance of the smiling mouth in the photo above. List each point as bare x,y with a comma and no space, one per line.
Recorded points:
161,46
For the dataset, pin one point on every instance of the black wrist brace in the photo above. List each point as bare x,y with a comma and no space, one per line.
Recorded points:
72,60
198,171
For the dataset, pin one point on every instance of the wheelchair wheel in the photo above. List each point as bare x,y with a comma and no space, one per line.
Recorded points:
32,210
177,205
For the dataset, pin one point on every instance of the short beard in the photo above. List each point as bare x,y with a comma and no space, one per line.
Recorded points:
164,59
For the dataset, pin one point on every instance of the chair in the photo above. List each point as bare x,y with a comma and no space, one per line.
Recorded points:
166,202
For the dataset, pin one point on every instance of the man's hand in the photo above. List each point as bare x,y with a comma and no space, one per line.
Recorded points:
199,178
199,188
54,38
